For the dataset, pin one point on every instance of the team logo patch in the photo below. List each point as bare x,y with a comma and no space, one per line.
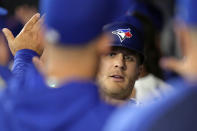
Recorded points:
123,34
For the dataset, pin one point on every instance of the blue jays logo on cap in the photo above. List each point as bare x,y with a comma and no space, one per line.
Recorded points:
123,34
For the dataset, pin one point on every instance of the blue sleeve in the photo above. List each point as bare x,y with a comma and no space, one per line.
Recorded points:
5,73
22,60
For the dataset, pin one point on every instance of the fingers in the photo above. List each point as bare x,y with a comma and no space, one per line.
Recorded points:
172,64
184,39
39,23
32,21
8,34
41,20
44,55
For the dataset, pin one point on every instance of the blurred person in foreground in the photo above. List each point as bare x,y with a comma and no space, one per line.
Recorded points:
75,43
121,67
177,112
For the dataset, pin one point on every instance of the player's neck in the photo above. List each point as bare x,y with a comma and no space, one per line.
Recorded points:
113,101
65,68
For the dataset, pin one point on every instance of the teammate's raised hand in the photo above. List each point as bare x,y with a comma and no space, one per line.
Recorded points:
29,37
187,66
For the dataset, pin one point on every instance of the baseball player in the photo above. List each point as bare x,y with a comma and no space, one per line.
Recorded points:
177,112
75,42
120,68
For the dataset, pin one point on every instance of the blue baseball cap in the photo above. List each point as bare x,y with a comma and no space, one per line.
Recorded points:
186,11
153,14
76,22
3,11
126,35
133,21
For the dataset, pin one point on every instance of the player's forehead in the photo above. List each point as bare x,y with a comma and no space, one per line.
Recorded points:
123,50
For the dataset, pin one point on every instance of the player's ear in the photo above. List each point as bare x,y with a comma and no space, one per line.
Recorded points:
140,70
103,43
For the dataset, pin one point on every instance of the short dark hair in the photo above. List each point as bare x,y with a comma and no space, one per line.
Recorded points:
151,52
11,5
139,56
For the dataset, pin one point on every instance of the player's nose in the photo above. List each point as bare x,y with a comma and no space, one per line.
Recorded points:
119,61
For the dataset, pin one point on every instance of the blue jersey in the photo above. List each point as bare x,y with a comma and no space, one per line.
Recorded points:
29,104
23,59
5,73
177,112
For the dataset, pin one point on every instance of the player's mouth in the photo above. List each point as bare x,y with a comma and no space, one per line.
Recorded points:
117,78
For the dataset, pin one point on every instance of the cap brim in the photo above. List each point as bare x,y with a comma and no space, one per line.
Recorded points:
132,49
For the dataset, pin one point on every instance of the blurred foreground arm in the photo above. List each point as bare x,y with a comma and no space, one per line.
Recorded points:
187,66
28,38
26,45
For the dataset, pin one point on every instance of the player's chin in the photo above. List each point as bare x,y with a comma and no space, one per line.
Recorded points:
116,88
118,94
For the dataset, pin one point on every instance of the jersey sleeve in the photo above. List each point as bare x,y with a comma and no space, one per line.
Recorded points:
22,61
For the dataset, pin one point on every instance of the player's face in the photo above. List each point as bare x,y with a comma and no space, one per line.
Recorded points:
118,72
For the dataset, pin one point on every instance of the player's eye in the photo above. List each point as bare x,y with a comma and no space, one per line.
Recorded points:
129,58
111,54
